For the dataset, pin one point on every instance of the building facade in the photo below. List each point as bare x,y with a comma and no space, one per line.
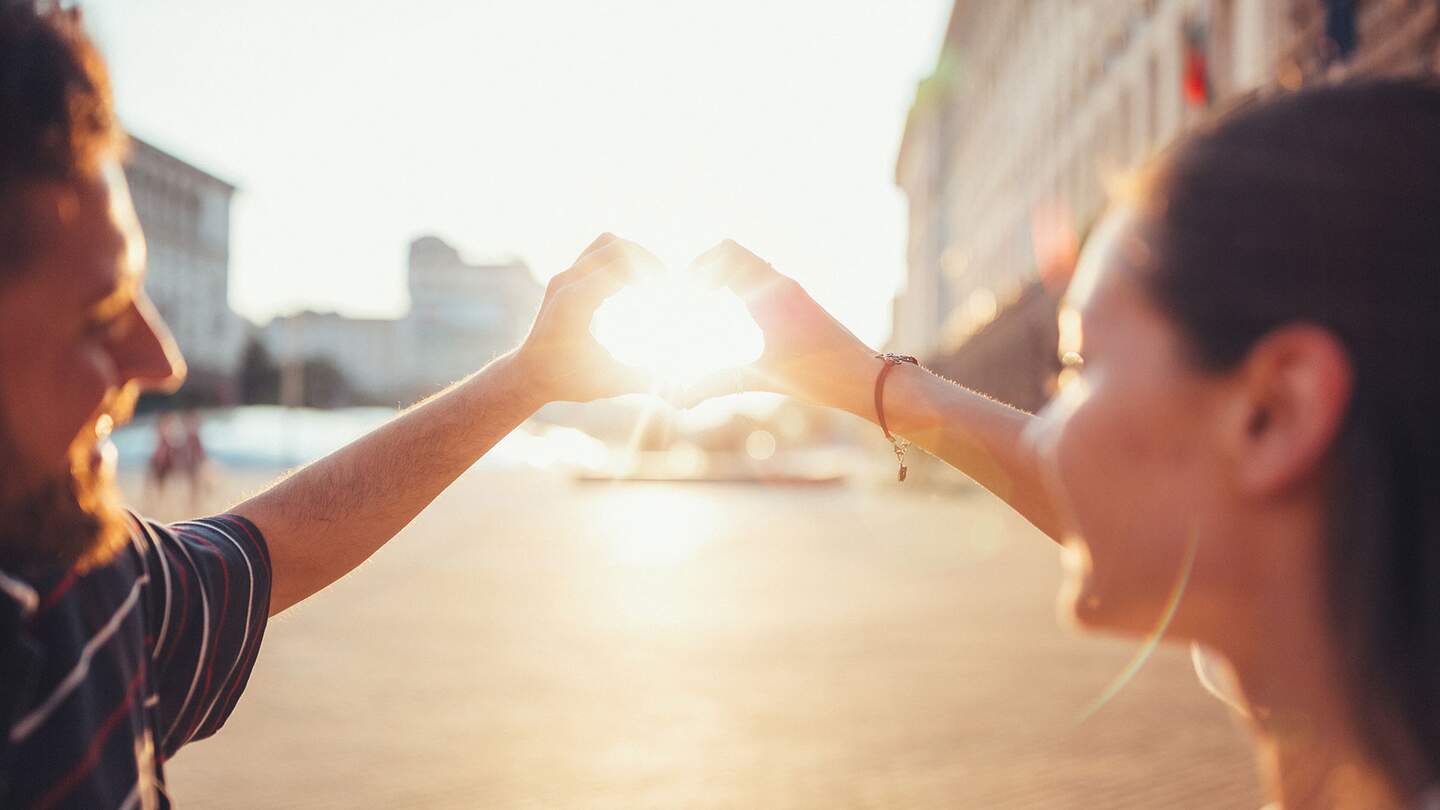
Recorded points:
365,351
185,213
1035,106
461,316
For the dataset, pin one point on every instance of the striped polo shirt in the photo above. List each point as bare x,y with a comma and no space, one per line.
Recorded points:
104,675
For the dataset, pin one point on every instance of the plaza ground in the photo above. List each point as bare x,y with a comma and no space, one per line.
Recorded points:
531,642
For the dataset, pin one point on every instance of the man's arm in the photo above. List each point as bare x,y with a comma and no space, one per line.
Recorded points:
328,517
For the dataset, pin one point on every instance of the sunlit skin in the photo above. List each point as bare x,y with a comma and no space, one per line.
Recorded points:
1144,455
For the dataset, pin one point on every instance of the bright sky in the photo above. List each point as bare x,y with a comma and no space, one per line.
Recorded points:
527,127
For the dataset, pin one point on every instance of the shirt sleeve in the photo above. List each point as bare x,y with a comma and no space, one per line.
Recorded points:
208,601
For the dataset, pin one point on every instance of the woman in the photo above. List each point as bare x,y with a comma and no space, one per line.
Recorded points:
1251,409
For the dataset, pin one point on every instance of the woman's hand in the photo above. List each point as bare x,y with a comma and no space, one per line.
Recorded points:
808,354
560,360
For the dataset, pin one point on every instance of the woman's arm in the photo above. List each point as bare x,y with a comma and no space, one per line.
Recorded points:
973,433
810,355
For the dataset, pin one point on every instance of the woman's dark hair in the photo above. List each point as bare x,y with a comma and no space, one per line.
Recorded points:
1323,207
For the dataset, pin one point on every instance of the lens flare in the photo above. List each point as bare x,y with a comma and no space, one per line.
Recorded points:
1153,640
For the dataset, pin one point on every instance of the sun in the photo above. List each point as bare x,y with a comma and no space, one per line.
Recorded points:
677,329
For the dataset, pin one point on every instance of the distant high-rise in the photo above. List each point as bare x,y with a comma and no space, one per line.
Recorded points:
185,213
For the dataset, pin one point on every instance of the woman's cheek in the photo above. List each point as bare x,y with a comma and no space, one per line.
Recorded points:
1088,476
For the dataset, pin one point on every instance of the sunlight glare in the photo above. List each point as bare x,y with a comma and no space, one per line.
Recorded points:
677,329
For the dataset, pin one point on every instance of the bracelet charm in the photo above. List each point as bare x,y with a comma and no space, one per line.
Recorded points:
899,444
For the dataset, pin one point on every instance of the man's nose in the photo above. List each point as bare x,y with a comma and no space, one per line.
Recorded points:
148,356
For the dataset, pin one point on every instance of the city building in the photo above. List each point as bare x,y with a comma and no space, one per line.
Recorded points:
365,351
1034,106
185,213
461,316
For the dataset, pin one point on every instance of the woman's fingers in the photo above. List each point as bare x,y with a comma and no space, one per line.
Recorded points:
728,264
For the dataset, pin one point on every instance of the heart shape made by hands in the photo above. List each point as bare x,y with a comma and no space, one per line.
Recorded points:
677,329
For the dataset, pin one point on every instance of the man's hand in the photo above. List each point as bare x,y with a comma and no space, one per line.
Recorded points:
328,517
808,354
560,360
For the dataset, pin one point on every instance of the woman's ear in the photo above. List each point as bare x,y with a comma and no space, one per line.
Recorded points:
1293,390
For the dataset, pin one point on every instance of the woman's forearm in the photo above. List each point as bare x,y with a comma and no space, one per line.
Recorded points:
810,355
973,433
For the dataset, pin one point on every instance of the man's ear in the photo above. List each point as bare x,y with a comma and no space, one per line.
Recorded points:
1292,392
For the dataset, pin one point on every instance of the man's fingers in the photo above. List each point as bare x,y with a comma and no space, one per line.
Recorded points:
613,251
600,241
610,270
617,257
600,283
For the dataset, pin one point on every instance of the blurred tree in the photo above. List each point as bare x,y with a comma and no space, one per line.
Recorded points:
325,385
259,375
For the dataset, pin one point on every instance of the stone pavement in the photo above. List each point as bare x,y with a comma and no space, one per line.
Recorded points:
533,643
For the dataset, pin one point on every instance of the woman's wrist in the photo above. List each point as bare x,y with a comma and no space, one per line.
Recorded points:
899,395
857,394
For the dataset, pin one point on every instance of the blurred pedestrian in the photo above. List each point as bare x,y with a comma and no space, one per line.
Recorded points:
191,459
162,459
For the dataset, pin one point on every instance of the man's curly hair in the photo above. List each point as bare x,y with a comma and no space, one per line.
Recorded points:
57,120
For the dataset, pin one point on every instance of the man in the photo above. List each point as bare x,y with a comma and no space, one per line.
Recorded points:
122,639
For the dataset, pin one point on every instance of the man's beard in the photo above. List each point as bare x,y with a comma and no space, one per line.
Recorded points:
68,520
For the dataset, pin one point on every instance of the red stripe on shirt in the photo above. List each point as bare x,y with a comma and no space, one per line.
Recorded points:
55,593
